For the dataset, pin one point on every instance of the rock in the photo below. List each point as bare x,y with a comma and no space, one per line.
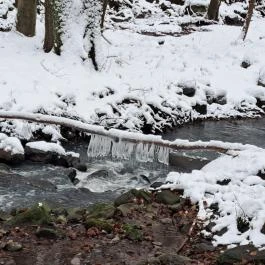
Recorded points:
47,233
165,5
13,246
188,90
61,219
245,64
125,209
75,215
201,108
177,2
132,232
166,259
242,224
99,224
11,149
167,197
38,214
166,221
186,163
204,247
72,175
99,174
223,182
132,196
220,99
81,167
234,21
101,210
53,153
76,261
260,103
156,185
248,253
145,178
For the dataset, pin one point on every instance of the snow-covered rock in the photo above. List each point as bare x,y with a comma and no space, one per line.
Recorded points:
42,151
11,149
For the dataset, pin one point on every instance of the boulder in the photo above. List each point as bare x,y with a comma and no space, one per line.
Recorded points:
246,253
11,149
167,197
53,153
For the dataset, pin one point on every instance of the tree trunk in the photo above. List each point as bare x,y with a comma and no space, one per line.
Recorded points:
57,25
248,18
26,17
49,28
104,9
213,10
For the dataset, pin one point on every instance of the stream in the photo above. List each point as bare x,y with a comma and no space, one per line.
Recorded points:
29,183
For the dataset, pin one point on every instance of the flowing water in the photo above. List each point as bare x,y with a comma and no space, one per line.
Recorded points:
30,183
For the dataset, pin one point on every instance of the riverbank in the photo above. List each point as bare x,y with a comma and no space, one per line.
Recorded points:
140,227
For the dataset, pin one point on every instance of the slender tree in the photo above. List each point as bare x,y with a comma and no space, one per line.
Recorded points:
213,10
49,29
248,18
26,17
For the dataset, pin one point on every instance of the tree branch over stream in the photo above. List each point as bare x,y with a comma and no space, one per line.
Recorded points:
118,135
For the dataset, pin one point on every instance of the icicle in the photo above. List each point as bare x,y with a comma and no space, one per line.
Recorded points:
122,149
145,152
99,146
163,154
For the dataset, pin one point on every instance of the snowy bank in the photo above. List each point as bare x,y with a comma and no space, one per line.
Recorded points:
229,192
145,83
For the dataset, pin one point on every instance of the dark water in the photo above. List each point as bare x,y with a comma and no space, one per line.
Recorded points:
249,131
30,183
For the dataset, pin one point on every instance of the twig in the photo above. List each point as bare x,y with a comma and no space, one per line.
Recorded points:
188,235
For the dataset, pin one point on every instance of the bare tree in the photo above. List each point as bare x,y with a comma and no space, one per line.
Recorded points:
49,29
213,10
248,18
26,17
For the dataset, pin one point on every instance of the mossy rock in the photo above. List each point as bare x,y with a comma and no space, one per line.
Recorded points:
47,233
75,215
133,195
99,223
101,210
167,197
37,214
132,232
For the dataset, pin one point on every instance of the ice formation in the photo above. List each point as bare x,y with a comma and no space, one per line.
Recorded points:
101,146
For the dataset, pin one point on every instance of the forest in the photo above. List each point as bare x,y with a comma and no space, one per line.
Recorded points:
132,132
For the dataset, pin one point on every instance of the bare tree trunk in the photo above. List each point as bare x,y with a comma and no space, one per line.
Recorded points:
49,28
104,9
26,17
213,10
248,18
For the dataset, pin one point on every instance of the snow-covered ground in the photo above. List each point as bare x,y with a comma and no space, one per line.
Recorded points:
232,182
141,78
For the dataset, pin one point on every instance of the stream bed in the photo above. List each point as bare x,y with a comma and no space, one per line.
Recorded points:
29,183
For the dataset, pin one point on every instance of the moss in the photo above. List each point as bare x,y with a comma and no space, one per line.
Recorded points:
101,210
99,223
132,232
38,214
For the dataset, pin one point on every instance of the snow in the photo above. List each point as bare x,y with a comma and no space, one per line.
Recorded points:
240,198
47,147
11,144
143,67
133,66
